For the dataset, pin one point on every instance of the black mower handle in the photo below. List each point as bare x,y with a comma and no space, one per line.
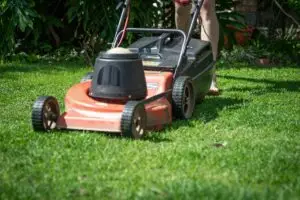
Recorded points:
198,5
125,6
186,37
156,30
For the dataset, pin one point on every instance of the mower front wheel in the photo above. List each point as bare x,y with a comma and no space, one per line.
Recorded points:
45,113
134,120
183,98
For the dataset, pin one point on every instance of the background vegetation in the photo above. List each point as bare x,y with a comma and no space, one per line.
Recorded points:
77,27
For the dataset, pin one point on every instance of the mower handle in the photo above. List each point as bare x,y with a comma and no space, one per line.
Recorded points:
156,30
198,5
187,37
125,6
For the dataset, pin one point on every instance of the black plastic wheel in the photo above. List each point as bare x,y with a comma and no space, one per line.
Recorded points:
45,113
183,98
134,119
87,77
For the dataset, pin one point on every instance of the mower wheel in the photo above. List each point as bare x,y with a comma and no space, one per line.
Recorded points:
183,98
45,113
87,77
134,119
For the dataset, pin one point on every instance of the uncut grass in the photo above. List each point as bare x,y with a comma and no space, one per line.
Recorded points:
244,144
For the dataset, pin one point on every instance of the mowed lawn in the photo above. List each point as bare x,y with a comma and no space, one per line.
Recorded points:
244,144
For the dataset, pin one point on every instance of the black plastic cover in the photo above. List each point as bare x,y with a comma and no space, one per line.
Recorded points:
118,76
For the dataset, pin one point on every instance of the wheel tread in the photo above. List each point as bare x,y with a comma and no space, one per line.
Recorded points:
126,121
127,117
37,112
177,96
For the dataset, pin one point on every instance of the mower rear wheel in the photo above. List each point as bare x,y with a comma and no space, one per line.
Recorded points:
134,119
45,113
183,98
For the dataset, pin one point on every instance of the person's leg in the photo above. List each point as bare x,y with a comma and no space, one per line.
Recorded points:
210,32
182,16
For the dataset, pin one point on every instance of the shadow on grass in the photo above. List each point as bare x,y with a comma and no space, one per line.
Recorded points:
209,109
273,86
151,136
157,136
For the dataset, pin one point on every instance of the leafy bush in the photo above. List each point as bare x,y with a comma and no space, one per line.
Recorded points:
230,22
15,16
279,52
294,4
41,26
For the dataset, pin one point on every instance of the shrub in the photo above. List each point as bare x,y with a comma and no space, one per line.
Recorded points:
15,16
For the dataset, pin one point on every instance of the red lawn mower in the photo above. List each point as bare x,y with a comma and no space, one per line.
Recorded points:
138,88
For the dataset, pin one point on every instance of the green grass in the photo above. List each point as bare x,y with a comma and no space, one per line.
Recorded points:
244,144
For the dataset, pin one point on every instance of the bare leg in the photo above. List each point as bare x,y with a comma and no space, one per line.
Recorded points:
183,16
210,32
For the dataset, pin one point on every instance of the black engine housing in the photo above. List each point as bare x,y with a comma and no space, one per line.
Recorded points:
118,76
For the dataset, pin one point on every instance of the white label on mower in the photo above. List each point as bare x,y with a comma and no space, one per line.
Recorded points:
150,63
152,85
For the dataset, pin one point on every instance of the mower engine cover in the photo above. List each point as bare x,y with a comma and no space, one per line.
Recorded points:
118,75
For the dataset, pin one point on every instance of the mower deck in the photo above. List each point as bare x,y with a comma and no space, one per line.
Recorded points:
86,113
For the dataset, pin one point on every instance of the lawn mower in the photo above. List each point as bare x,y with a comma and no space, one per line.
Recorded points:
155,79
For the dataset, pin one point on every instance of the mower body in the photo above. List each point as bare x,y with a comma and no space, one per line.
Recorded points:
87,113
84,112
197,63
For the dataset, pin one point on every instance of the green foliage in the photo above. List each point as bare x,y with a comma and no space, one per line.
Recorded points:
41,26
15,16
92,17
230,22
295,5
279,52
240,54
62,54
49,28
97,20
283,49
95,24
